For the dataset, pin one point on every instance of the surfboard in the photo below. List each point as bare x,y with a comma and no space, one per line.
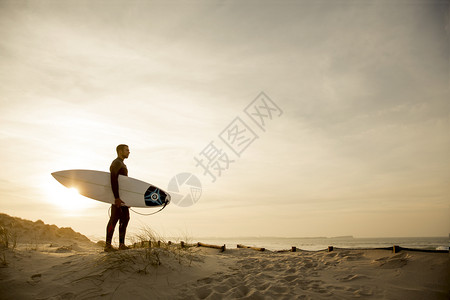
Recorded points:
97,185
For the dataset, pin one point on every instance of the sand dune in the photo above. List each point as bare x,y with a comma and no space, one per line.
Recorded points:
82,270
38,232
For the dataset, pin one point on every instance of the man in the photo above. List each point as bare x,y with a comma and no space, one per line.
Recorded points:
119,212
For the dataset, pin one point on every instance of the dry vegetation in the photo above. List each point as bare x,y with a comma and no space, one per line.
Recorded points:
8,241
149,249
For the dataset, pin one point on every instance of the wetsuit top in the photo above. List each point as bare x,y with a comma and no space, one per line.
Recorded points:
117,168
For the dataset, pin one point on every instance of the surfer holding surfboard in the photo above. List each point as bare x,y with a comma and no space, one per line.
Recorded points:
119,211
116,188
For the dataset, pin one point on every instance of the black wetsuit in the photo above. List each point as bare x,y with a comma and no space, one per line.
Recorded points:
121,213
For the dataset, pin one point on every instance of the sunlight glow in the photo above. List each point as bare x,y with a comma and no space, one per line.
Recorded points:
68,199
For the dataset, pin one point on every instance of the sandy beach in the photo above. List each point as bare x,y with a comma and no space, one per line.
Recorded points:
47,262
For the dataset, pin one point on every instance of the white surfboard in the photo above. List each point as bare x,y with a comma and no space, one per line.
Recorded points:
97,185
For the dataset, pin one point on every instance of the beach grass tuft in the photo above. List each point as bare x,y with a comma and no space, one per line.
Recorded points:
8,238
148,250
8,242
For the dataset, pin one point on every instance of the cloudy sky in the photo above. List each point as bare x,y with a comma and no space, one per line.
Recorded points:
361,147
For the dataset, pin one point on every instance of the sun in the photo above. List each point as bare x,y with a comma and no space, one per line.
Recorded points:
68,199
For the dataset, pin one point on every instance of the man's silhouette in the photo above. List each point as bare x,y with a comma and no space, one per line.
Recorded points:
119,212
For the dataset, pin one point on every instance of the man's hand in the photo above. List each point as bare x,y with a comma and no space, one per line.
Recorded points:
118,202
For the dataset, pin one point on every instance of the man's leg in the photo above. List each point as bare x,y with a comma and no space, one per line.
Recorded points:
115,215
124,218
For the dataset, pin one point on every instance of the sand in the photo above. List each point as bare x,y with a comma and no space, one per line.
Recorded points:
69,266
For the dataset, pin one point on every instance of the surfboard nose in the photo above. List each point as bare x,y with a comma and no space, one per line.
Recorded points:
63,178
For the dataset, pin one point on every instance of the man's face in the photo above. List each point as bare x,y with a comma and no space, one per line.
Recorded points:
125,152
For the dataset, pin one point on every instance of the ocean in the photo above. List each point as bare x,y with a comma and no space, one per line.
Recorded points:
320,243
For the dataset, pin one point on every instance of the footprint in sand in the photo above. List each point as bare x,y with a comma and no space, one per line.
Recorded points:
269,267
230,281
239,291
203,292
221,289
291,270
36,278
206,280
394,262
263,286
300,282
277,289
290,278
351,277
363,291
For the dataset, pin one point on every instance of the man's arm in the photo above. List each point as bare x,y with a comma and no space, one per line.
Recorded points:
115,167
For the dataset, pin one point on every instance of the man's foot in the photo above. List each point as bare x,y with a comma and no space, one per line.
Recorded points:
123,247
109,248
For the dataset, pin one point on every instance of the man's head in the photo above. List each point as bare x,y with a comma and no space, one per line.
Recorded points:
122,151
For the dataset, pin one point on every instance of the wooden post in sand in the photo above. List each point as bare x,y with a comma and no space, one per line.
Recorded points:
330,248
253,248
182,244
294,249
396,249
211,246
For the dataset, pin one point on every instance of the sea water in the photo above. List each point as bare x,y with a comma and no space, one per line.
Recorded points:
320,243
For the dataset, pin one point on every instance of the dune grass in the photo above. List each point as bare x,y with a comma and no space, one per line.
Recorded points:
8,241
149,250
8,238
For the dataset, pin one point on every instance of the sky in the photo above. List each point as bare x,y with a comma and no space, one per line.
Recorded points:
359,144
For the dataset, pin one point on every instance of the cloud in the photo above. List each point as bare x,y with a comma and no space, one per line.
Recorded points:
363,87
